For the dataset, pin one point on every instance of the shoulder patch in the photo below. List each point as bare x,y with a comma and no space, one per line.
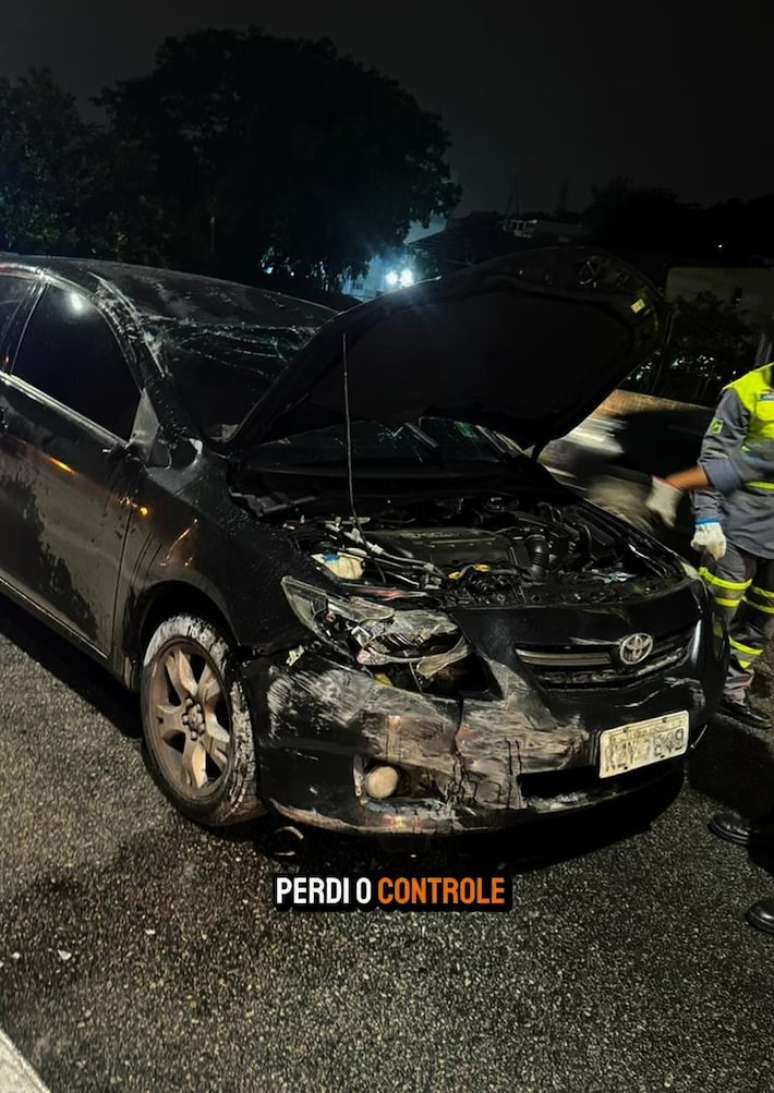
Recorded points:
716,425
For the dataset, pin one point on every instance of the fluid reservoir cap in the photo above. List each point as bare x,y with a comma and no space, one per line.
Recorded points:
342,565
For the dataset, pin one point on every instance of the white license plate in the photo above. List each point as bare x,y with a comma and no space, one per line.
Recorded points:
642,743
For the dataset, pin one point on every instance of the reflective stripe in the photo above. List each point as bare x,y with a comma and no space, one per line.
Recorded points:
760,607
726,603
759,486
734,586
762,592
744,648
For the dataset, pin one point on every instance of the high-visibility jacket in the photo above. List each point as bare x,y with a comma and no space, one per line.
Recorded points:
737,455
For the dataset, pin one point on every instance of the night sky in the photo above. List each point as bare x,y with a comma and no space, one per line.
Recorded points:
670,94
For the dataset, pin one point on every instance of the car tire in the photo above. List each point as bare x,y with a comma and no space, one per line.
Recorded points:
199,743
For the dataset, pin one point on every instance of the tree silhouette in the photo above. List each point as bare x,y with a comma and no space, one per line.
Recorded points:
624,215
43,166
279,154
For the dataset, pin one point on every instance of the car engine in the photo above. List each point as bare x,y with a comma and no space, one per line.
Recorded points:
494,551
404,567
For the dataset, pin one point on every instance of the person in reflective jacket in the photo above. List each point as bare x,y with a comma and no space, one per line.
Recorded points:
733,488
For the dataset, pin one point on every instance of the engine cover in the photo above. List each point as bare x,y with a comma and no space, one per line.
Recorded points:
447,547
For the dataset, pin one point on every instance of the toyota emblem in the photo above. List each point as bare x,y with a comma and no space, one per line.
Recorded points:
635,648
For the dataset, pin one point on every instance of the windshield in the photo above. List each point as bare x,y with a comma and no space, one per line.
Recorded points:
222,344
432,441
221,370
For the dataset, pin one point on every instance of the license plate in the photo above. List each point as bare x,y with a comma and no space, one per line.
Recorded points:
642,743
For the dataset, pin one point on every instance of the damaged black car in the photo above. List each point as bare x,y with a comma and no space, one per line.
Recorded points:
322,551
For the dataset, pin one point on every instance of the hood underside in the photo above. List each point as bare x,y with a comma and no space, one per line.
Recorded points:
528,344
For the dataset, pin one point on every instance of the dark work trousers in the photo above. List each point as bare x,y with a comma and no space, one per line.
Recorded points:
742,587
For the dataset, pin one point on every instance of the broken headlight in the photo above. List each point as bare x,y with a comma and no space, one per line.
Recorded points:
319,611
427,641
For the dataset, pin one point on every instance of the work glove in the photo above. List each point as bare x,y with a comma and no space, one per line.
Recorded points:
663,500
709,537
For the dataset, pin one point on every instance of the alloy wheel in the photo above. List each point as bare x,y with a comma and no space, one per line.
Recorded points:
188,722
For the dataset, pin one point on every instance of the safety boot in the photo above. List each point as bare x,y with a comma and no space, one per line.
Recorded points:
744,713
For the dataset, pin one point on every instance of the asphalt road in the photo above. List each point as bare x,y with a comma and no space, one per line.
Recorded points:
140,953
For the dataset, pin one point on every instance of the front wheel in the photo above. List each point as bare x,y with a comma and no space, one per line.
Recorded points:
198,733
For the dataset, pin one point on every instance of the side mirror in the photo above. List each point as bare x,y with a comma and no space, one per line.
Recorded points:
148,440
124,449
159,455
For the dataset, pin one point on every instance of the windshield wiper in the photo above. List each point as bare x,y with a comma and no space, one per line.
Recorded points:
423,437
503,449
272,504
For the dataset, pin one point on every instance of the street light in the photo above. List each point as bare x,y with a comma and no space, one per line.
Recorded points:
404,278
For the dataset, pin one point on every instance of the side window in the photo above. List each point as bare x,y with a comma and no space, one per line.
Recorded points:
69,352
12,292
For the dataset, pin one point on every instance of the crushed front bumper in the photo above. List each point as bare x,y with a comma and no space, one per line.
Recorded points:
477,763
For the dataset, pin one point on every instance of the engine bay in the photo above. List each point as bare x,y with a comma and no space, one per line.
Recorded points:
495,550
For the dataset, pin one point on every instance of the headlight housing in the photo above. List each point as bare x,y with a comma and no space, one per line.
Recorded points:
374,634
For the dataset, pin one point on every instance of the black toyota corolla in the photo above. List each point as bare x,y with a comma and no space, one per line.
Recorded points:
322,551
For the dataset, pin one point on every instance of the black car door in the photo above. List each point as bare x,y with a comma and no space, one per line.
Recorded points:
68,478
18,290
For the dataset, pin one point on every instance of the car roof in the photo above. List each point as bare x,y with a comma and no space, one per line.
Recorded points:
171,294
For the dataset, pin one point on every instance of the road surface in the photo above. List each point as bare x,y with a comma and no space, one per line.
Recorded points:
138,952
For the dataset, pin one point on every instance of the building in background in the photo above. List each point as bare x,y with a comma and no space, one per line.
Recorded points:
542,228
443,246
477,236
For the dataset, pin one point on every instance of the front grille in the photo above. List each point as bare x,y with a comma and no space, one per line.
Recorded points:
596,665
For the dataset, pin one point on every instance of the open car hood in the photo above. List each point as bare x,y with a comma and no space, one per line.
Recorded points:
528,344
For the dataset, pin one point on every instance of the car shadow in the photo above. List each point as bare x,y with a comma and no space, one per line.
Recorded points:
734,764
537,843
69,665
526,846
761,853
